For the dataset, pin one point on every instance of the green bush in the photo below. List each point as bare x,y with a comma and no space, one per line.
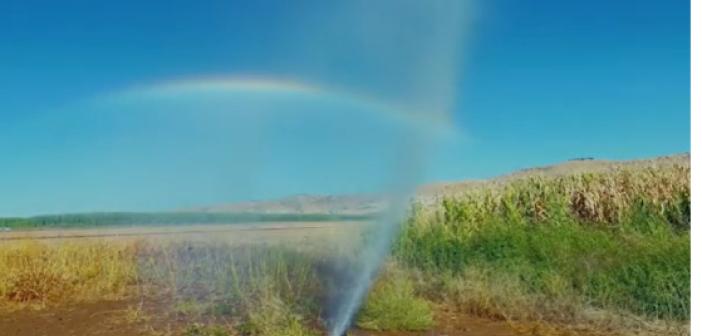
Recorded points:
393,305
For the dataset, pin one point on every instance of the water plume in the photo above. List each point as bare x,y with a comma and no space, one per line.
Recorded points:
406,54
370,83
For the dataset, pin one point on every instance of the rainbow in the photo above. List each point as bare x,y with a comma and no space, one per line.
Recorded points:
232,84
249,84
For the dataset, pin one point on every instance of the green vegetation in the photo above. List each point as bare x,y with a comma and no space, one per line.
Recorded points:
394,305
552,248
103,219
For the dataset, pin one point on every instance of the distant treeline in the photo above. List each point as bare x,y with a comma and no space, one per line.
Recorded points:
164,218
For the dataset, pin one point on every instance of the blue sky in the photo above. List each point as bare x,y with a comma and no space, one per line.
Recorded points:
534,83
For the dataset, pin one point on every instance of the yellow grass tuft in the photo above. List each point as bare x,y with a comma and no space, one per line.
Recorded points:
39,273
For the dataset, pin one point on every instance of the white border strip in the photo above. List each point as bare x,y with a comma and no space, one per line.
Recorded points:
695,91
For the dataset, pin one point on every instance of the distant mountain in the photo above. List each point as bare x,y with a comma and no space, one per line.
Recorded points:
430,193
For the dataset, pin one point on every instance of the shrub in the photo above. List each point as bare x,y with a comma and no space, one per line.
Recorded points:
393,305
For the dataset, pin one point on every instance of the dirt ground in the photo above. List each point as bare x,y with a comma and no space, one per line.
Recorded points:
99,318
117,318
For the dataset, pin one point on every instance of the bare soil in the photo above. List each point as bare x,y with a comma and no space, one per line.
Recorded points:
116,318
98,318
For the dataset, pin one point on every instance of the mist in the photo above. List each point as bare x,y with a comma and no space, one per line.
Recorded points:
349,99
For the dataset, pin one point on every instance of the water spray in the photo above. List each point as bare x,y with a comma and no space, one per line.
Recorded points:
398,59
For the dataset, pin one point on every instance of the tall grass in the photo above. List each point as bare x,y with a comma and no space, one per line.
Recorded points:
266,290
559,246
36,273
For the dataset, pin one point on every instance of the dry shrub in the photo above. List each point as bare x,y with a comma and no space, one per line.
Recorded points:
32,272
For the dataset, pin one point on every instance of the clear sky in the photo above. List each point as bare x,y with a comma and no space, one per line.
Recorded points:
529,83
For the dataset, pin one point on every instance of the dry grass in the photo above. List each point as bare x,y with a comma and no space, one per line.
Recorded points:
36,273
262,290
598,198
